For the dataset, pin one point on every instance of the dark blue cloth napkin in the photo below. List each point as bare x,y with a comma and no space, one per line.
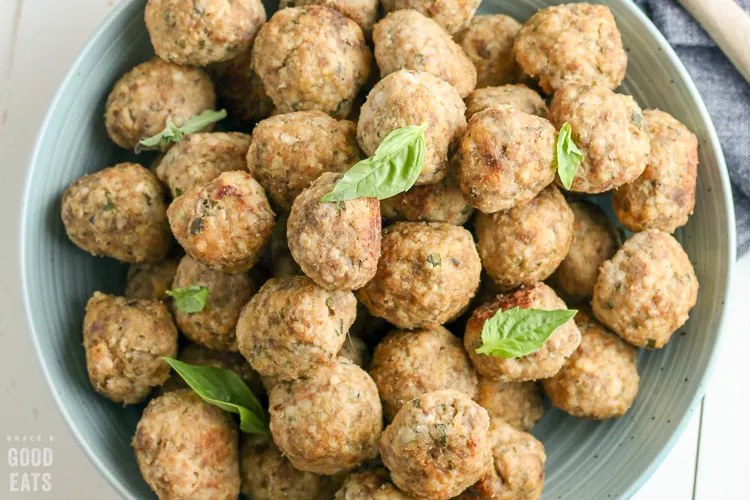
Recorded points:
725,92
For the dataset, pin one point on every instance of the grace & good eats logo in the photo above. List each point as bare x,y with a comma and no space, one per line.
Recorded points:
29,460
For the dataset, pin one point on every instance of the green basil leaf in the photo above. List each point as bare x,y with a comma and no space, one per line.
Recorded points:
173,133
517,332
199,122
567,155
226,390
393,169
190,299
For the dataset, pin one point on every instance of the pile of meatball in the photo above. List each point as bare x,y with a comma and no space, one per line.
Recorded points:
358,321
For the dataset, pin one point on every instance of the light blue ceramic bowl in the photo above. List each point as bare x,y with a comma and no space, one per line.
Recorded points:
587,460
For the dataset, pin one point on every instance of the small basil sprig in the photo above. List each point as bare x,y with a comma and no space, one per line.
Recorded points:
173,133
190,299
567,155
226,390
393,168
517,332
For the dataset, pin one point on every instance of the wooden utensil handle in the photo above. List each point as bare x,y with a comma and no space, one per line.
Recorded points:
729,26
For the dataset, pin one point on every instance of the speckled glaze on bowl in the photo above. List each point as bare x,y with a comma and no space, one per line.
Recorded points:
587,460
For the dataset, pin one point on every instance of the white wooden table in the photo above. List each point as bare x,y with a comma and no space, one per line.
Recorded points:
38,41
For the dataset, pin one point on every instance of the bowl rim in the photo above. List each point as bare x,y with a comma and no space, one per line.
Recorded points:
644,21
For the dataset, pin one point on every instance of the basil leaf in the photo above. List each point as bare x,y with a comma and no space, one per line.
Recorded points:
393,169
226,390
517,332
567,155
190,299
173,133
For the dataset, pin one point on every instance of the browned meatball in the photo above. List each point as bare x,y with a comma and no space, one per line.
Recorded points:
488,41
543,363
118,212
124,340
370,485
187,448
525,244
645,292
452,15
224,224
240,89
441,202
362,12
505,158
518,403
151,280
518,97
427,274
663,197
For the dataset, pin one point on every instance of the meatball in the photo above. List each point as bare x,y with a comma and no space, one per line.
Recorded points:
291,325
518,97
415,98
595,240
153,92
575,43
600,380
543,363
406,39
201,158
125,340
608,128
328,422
407,364
312,58
118,212
355,350
240,89
488,41
187,448
370,485
441,202
290,151
452,15
505,158
664,195
525,244
438,445
200,33
645,292
362,12
224,224
518,466
336,244
427,274
151,280
518,403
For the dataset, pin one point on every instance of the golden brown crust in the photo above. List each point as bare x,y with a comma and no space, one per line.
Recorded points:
518,403
488,41
452,15
518,97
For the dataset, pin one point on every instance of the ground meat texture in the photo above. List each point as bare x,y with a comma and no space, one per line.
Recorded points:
577,43
406,39
488,41
124,340
224,224
645,292
518,403
543,363
505,158
312,58
438,445
518,97
290,151
291,325
600,380
151,280
663,197
525,244
118,212
336,244
451,15
362,12
328,422
370,485
240,89
427,274
202,32
146,96
518,472
187,449
414,98
595,240
441,202
609,130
